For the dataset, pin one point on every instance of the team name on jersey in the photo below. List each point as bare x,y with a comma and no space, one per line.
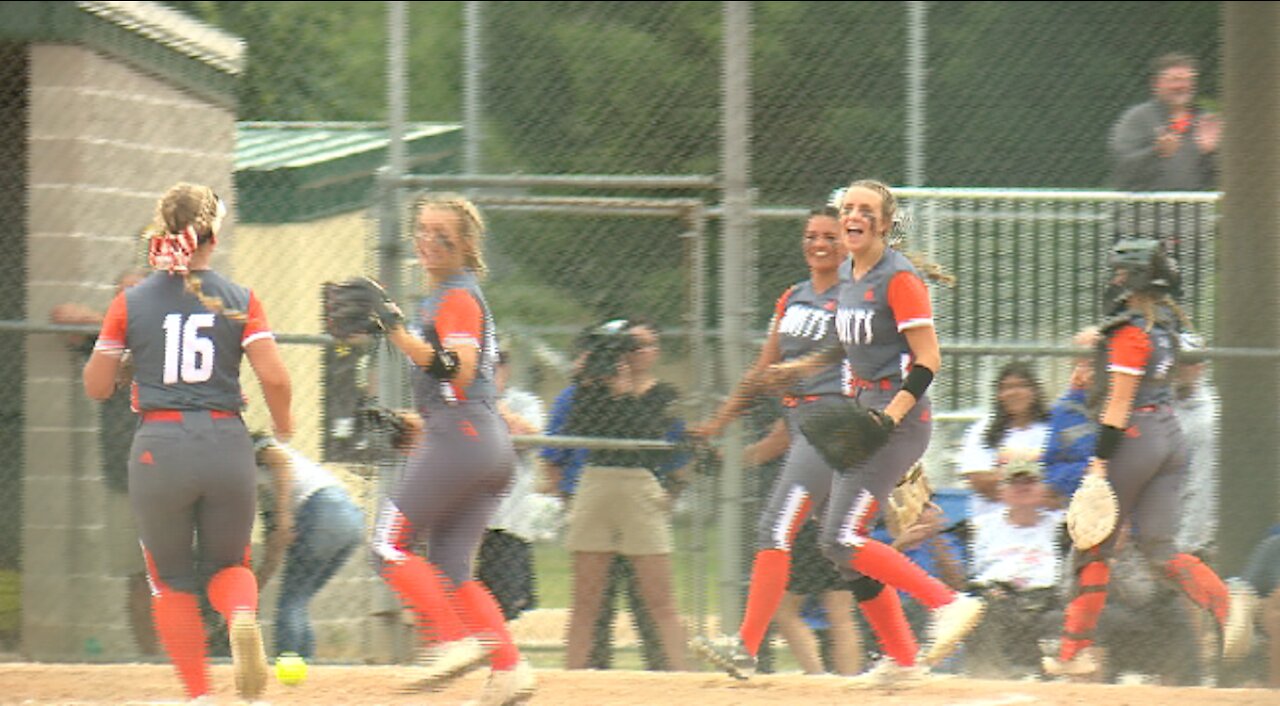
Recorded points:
801,321
853,326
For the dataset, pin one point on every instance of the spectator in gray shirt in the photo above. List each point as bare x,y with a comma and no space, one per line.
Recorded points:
1167,143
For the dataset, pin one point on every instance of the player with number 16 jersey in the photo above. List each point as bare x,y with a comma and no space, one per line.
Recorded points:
192,476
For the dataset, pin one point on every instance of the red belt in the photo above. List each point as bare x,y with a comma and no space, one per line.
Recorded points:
175,415
882,383
797,400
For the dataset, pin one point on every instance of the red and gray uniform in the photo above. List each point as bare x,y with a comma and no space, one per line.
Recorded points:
191,465
1146,470
455,477
1150,465
805,324
872,315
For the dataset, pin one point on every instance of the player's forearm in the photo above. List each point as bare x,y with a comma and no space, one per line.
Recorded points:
731,408
419,351
773,445
100,374
279,397
1119,403
926,362
276,384
461,371
778,376
468,366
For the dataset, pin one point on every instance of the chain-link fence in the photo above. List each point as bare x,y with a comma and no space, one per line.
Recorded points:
1003,97
1015,96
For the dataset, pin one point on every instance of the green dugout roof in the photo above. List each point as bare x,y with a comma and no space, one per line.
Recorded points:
289,172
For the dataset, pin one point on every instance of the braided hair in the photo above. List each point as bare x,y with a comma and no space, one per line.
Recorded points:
183,222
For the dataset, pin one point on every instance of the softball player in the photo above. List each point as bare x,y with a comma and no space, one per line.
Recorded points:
803,323
884,321
885,324
457,472
191,465
1140,450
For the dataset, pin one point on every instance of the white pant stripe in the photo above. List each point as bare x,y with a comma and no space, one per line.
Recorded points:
857,514
796,498
385,532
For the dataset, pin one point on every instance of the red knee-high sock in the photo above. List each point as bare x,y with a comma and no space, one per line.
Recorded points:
1084,609
177,618
884,615
483,616
1200,583
890,566
426,593
233,588
769,574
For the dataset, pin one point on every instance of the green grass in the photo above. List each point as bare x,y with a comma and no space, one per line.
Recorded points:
553,565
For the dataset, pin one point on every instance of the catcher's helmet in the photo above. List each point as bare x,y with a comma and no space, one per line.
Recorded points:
1139,265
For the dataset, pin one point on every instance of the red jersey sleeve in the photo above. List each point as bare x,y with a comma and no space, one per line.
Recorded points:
255,326
781,305
1129,350
909,301
459,320
114,325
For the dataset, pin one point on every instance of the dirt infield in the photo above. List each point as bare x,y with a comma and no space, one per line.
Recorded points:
149,684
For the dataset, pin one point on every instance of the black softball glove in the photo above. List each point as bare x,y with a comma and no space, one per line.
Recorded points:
844,432
358,306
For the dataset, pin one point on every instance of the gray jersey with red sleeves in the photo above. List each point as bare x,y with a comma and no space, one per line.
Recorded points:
1156,385
806,323
872,338
186,356
430,391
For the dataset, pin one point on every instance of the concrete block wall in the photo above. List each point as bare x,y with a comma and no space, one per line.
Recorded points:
105,140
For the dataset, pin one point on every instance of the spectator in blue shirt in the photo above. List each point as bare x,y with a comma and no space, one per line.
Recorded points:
563,467
1072,429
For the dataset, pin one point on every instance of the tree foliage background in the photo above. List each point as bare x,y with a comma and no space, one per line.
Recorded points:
1017,95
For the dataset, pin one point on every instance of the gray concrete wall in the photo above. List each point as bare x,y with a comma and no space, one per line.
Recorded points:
105,141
